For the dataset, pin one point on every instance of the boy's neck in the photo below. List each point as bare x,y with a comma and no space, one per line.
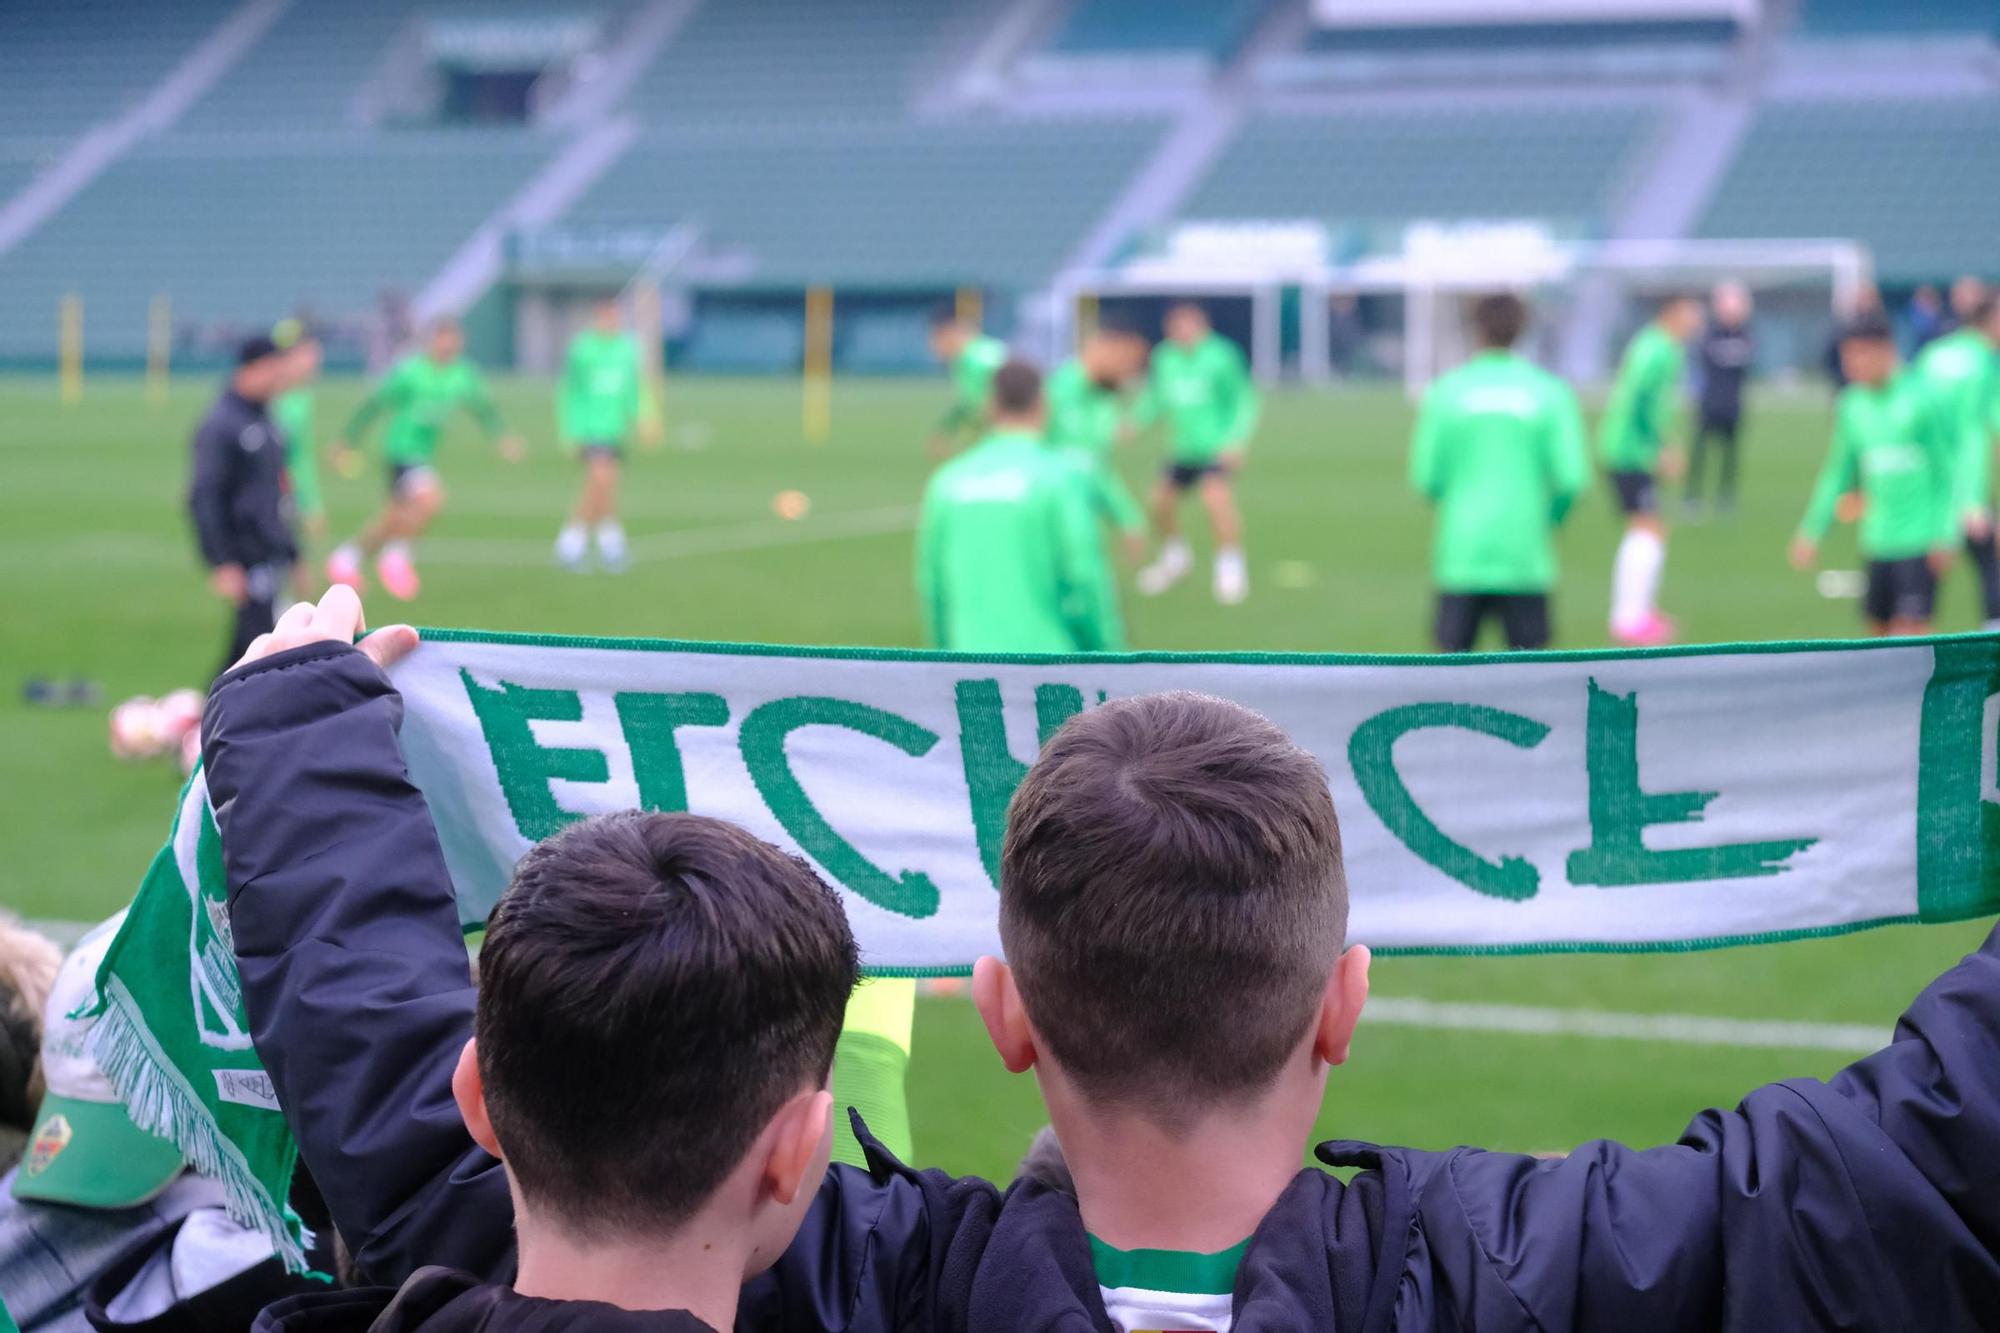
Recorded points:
698,1269
1201,1189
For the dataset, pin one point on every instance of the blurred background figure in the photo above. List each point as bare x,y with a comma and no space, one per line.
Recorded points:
1722,365
1925,317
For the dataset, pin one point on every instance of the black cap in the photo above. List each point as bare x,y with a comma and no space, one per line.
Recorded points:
1873,326
256,348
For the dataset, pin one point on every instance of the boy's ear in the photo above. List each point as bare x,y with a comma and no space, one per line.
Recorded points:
799,1145
999,1005
468,1089
1340,1008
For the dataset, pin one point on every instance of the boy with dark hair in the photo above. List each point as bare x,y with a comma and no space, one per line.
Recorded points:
1499,451
659,999
1896,442
1962,369
420,394
971,358
1174,906
1634,438
1201,384
1008,556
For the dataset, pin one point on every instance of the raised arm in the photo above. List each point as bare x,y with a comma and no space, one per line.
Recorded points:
1868,1201
355,975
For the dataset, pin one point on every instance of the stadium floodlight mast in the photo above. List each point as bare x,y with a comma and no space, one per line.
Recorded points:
1440,266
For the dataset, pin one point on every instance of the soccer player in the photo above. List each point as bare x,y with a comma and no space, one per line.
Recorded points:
1201,385
292,413
237,495
602,400
1008,555
1962,369
1086,398
1896,440
1727,348
1500,452
972,358
420,393
1633,439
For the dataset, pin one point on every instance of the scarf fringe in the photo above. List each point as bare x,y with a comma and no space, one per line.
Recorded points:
159,1104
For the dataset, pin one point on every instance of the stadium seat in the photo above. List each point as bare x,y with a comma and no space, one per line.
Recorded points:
1214,28
64,67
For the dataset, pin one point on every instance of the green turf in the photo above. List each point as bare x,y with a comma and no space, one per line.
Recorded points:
97,577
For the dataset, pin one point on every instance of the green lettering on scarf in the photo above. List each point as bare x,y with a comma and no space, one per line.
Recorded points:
523,764
762,739
1371,753
991,770
1620,812
649,722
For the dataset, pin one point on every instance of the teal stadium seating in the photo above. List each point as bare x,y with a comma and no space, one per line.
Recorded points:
909,205
1918,180
1881,18
1215,28
65,65
1389,166
307,71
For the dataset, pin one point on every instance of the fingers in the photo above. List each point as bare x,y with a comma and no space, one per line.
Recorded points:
339,616
259,647
389,645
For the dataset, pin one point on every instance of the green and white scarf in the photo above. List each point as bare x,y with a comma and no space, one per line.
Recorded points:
1663,800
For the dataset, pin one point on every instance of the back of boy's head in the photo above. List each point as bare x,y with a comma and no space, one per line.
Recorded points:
1499,319
1017,390
1172,900
653,988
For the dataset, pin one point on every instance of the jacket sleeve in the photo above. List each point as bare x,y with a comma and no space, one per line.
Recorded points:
209,493
1868,1201
355,975
1569,456
1427,464
1839,476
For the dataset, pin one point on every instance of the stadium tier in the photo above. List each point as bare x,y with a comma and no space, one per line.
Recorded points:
66,66
241,229
1917,179
1394,165
1872,18
797,61
307,72
900,205
1214,28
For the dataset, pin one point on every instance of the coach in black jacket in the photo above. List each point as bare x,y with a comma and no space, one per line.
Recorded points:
1869,1201
238,498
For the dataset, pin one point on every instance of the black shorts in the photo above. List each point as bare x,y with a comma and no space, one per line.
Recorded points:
1903,589
593,449
1524,618
1638,492
406,477
1181,476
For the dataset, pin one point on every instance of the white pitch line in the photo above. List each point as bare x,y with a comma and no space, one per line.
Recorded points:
1687,1029
757,535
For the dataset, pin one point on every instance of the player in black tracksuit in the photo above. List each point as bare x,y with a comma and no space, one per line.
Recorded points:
1723,362
239,499
1871,1200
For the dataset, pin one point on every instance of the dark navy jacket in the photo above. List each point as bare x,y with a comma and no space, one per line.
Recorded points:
1869,1201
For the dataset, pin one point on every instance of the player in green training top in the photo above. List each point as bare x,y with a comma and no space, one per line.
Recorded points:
971,358
1634,438
420,393
1500,451
292,413
1008,557
1201,385
1086,411
600,402
1963,370
1897,440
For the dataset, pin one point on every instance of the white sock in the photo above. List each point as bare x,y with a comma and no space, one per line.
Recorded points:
1635,578
347,553
572,542
1229,557
1175,552
399,549
611,538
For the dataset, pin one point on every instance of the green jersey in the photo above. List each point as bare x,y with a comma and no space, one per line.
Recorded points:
1006,552
599,399
1639,415
292,413
1084,415
1206,396
1094,561
1963,373
1897,443
420,395
1499,450
972,372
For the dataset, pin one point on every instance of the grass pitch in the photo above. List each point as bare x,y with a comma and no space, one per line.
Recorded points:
98,578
